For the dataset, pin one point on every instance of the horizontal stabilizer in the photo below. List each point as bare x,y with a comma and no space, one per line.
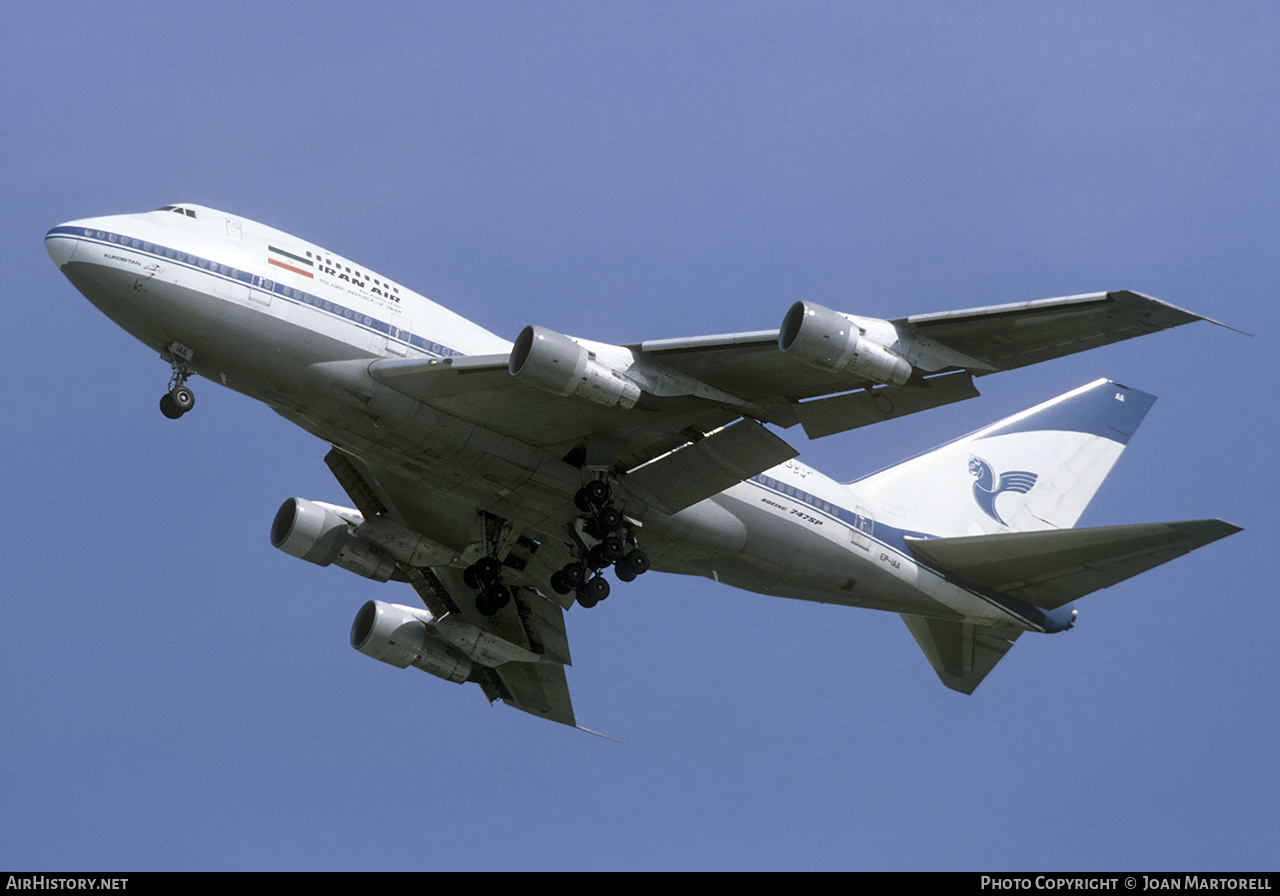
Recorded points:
1051,568
961,653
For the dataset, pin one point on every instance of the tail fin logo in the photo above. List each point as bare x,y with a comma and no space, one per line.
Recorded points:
985,487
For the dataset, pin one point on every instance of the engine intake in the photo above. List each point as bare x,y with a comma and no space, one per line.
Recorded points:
398,636
554,362
323,534
829,341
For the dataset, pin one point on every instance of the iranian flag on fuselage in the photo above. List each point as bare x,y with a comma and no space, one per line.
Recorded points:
289,261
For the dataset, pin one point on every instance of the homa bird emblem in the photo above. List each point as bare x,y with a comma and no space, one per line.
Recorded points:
984,492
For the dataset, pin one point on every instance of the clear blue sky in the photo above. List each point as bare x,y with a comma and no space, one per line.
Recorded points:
177,694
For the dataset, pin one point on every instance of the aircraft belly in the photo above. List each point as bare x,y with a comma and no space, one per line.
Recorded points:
112,292
230,336
785,556
313,368
282,355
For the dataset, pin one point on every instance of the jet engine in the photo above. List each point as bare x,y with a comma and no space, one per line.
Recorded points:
398,636
554,362
324,534
830,341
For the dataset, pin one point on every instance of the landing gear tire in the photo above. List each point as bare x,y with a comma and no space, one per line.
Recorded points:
612,548
492,599
603,522
488,569
176,402
636,563
593,592
596,493
574,575
482,573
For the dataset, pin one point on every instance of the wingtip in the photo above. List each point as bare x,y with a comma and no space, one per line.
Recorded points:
1190,314
598,734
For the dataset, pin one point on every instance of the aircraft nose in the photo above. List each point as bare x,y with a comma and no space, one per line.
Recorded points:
60,243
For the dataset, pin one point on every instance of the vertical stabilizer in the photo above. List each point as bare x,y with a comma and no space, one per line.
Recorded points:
1035,470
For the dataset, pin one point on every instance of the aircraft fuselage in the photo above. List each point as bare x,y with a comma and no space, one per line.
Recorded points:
291,324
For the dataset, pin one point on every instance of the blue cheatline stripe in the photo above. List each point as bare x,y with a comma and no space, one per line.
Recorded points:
896,543
229,273
836,512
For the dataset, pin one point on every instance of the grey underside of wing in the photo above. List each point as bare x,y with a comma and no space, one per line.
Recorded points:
709,382
539,689
1004,337
766,383
481,391
752,377
1051,568
529,620
532,621
961,653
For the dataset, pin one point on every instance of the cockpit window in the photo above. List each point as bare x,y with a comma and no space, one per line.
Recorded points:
178,211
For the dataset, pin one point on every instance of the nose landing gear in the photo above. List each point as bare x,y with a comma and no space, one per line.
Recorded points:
179,399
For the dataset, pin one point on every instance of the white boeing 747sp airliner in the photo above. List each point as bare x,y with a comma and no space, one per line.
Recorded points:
502,480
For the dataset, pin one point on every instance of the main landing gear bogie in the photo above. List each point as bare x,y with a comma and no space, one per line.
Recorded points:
485,577
605,524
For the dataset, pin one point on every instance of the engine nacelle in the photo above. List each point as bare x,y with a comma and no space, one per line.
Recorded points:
324,534
554,362
399,636
829,341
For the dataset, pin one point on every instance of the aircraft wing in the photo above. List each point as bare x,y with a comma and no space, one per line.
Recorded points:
1004,337
530,621
619,407
539,689
979,340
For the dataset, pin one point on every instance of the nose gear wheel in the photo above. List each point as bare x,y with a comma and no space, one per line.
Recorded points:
179,399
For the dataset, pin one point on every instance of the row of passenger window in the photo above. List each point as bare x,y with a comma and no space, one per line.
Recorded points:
166,252
339,266
800,494
288,291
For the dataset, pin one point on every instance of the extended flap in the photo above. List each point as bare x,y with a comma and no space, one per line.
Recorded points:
710,465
